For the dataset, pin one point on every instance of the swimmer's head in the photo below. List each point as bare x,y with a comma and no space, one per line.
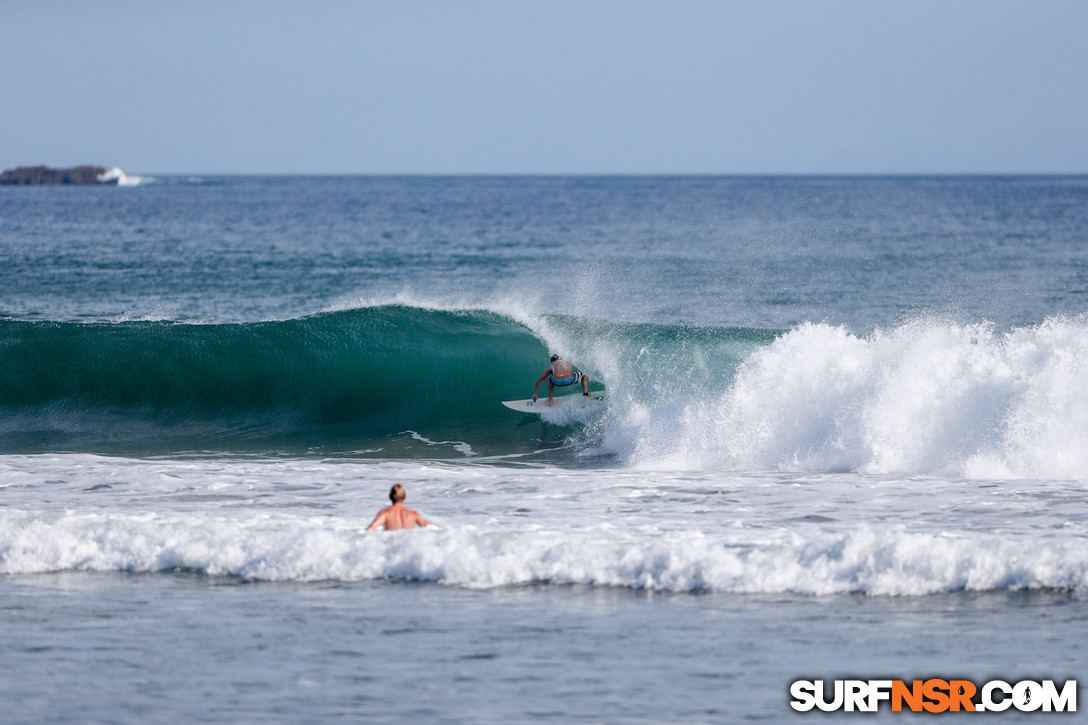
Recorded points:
397,493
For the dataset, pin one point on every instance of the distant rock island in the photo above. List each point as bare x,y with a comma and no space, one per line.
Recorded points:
45,176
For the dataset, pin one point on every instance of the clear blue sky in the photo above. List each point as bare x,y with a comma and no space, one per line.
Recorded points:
557,86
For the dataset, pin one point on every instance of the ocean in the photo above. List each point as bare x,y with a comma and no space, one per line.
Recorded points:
843,435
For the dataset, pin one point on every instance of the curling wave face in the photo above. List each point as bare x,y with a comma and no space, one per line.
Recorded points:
340,377
384,376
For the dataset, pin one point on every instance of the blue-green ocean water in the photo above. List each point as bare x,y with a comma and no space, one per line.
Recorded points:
844,432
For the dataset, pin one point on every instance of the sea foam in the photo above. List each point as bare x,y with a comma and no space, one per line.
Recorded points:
283,548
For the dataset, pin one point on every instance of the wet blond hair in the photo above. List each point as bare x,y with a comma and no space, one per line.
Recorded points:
397,493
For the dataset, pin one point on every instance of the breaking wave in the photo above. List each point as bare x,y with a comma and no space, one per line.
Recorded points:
927,397
118,176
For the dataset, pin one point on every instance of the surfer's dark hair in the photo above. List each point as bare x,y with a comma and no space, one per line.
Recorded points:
397,493
554,358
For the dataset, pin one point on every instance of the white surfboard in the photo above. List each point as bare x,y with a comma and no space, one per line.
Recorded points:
541,405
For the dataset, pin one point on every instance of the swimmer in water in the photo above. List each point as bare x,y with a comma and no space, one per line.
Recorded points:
398,516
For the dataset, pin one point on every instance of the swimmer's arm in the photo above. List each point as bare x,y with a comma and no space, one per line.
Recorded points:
379,520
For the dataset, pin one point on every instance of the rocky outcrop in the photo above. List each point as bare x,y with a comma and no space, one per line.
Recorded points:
43,175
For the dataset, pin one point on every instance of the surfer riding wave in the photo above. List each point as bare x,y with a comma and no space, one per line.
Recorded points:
560,374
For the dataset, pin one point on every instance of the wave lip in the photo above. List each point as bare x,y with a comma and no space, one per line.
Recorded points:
267,548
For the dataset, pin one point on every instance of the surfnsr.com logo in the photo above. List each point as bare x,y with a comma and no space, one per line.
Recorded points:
934,695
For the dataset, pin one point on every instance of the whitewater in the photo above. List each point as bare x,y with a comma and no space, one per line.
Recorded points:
295,521
843,433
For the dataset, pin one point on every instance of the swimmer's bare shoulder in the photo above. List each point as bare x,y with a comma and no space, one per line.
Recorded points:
399,516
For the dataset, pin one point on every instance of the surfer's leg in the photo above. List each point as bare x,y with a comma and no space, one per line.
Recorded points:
551,390
585,387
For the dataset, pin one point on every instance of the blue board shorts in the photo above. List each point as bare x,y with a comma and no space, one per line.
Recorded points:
569,380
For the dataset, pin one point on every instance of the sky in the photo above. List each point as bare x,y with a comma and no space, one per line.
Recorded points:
549,87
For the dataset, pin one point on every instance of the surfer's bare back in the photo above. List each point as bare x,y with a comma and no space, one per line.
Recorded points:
561,373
